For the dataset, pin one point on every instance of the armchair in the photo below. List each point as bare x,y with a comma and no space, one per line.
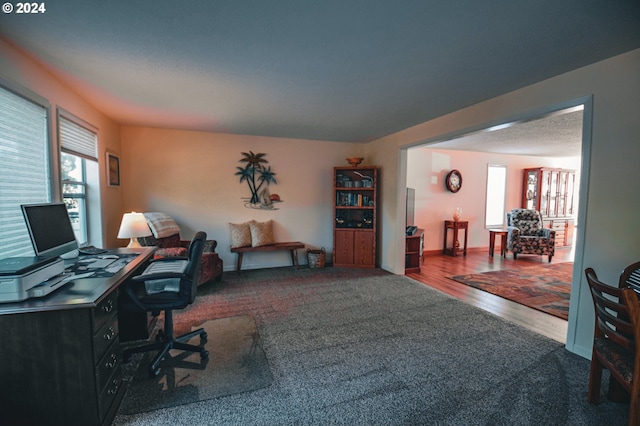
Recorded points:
527,235
166,236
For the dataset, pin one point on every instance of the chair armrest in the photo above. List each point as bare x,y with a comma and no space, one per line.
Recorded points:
548,233
209,245
513,233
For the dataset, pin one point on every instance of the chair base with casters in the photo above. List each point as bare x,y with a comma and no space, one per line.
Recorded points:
165,341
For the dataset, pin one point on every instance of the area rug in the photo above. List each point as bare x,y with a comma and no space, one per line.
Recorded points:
236,364
544,287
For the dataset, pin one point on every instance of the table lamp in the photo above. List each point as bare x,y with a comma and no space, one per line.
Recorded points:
133,225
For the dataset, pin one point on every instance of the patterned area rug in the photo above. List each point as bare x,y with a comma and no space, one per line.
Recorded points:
545,287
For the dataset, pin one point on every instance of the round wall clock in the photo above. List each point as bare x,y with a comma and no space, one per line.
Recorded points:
453,181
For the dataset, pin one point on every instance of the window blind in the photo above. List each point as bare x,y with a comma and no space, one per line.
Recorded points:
24,168
76,139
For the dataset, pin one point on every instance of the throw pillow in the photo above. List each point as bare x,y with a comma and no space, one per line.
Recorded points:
240,234
161,225
261,233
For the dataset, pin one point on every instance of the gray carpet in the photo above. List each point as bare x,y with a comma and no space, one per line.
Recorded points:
380,349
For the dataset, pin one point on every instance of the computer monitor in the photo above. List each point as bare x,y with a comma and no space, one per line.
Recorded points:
50,229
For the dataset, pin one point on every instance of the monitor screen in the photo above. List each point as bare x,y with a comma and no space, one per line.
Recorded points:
411,200
49,228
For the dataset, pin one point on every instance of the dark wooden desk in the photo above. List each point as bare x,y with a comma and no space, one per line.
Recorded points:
61,353
455,226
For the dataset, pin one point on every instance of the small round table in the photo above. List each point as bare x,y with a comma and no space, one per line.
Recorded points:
503,240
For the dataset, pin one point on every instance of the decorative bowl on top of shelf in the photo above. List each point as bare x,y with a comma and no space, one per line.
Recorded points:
355,161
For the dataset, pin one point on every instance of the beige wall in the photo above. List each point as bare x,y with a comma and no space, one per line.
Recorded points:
608,239
18,69
191,175
434,203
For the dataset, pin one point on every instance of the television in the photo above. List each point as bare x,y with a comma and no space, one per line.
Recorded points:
411,205
50,229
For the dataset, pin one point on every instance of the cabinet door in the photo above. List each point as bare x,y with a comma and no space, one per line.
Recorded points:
554,192
363,248
530,194
343,252
563,178
545,194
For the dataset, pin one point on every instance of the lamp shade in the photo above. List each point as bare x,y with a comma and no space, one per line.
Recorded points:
133,225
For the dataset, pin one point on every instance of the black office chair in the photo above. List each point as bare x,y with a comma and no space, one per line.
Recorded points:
169,283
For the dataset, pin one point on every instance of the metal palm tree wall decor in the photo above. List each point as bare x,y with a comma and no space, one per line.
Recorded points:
258,177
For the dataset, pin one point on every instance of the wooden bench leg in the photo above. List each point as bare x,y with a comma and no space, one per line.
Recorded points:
239,264
294,257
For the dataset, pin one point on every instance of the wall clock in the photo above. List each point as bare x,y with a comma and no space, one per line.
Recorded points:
453,181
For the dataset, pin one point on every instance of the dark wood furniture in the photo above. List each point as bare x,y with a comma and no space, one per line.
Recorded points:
414,248
551,192
61,353
355,216
455,226
292,246
503,241
616,344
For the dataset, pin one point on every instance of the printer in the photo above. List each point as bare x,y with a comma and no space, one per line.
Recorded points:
31,276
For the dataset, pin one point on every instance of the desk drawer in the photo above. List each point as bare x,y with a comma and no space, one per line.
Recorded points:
104,311
103,339
108,364
109,393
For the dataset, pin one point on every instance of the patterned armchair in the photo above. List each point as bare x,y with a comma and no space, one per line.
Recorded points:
166,236
527,235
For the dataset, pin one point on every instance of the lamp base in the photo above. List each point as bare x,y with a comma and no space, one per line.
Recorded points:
133,243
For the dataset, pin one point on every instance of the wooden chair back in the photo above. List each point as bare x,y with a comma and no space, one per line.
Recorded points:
611,313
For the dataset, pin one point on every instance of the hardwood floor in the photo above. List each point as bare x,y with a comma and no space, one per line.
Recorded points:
436,267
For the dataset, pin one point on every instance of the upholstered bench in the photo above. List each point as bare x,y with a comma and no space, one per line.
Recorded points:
292,246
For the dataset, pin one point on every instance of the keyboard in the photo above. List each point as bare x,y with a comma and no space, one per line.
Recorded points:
101,263
91,250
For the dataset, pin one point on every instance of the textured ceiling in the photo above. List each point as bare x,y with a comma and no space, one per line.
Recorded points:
553,135
352,70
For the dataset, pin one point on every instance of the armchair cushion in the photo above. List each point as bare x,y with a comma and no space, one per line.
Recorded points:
529,227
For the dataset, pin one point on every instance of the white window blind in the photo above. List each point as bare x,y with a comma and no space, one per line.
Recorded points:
76,139
24,168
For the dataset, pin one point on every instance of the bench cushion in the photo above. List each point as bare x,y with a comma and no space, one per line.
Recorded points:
240,234
261,233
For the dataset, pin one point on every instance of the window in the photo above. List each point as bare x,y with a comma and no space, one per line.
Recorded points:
496,195
24,165
78,158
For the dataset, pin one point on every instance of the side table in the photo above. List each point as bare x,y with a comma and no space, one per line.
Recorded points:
455,226
503,241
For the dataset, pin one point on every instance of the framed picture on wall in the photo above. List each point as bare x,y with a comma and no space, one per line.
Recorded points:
113,169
